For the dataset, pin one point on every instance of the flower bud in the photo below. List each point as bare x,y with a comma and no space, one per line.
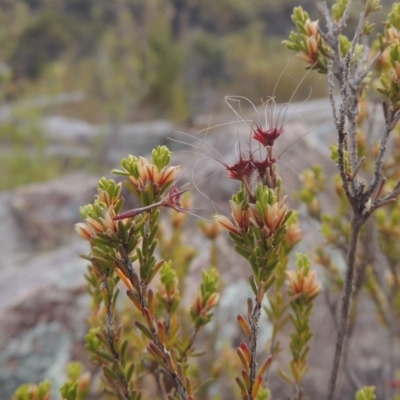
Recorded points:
84,231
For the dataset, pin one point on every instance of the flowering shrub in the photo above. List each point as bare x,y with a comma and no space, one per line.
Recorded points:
144,339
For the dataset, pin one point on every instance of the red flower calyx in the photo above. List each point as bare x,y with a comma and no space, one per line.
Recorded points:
267,137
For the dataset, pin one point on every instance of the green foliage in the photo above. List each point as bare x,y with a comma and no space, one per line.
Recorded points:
42,391
313,48
169,278
393,18
24,148
390,81
209,285
313,182
138,59
344,44
52,33
338,9
206,300
366,393
303,288
269,210
131,60
77,385
307,42
75,388
118,240
372,6
161,157
74,370
296,40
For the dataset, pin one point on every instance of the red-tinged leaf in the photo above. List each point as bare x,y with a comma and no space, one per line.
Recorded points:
266,364
243,359
256,386
244,325
246,352
246,379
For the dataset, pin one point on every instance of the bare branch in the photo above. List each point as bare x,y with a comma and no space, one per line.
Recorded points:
254,318
356,224
331,85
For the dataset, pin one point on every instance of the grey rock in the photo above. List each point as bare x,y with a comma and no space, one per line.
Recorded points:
7,111
69,130
45,213
137,139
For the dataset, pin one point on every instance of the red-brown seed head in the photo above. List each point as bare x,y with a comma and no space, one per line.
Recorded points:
241,170
262,165
268,136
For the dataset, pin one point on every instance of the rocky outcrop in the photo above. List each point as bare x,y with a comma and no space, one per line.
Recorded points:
43,304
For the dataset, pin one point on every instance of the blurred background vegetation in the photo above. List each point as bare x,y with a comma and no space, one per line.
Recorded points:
134,60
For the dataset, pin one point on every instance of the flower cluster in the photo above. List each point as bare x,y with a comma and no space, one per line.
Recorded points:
267,215
303,289
241,214
313,41
149,182
146,173
271,217
303,282
152,178
206,299
267,136
307,42
259,166
99,216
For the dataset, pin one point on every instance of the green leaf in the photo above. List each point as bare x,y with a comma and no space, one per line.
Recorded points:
344,44
119,172
69,391
253,284
129,373
104,356
161,157
243,252
366,393
74,370
338,9
144,329
132,188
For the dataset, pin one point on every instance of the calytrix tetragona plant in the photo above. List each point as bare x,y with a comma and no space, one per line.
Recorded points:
118,242
264,231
